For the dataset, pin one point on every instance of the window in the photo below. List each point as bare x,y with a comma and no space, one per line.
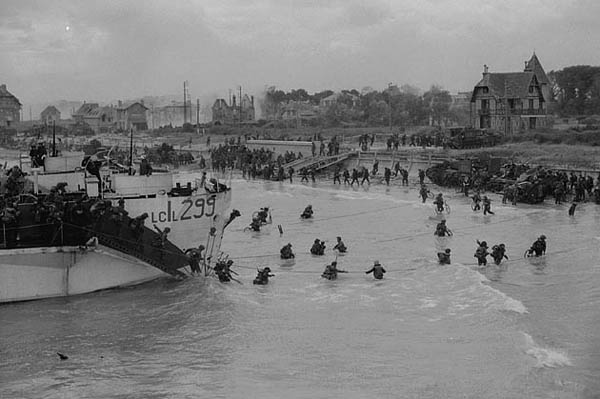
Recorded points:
531,103
485,90
531,89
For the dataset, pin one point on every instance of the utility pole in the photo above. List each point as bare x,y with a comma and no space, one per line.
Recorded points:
152,112
131,151
184,102
506,127
198,112
53,138
390,104
240,115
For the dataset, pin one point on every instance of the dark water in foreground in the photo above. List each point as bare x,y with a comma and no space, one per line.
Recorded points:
525,329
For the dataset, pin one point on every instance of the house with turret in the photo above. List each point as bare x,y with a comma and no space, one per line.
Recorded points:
10,108
512,101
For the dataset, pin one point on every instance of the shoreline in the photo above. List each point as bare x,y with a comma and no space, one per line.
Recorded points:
574,157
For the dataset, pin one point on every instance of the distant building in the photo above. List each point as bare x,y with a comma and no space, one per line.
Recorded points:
10,108
132,116
49,115
298,110
462,98
347,98
109,118
513,101
230,114
83,111
100,119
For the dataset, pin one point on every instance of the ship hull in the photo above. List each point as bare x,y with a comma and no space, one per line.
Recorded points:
46,272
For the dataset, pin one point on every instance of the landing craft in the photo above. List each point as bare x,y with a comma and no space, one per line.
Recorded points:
33,268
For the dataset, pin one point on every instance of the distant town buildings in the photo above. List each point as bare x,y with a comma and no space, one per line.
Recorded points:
132,116
108,119
298,110
50,115
513,101
233,113
10,108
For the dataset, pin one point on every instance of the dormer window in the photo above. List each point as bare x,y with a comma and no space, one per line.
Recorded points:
485,90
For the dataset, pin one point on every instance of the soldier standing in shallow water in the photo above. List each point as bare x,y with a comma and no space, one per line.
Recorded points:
487,205
377,270
444,257
365,176
387,174
336,176
354,177
346,175
481,253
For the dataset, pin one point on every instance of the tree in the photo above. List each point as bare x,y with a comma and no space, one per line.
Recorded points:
438,101
576,90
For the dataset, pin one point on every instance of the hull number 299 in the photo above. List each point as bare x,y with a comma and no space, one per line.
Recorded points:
190,209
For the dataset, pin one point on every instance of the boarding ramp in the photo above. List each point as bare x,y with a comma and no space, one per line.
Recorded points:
318,162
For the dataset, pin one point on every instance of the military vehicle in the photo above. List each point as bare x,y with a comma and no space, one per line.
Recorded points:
466,137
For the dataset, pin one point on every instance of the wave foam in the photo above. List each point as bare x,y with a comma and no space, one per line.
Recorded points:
545,357
505,302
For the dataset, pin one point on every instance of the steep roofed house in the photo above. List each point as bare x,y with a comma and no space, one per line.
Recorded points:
132,116
225,114
83,111
50,114
513,101
10,107
247,109
100,119
221,112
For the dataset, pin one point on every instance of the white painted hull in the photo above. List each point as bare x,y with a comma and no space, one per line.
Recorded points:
36,273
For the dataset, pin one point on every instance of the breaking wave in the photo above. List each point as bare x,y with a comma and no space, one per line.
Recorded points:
545,357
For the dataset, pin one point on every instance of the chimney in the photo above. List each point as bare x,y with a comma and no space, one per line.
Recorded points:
120,103
252,101
234,101
485,70
142,101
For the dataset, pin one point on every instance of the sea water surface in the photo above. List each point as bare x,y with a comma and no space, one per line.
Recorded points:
528,328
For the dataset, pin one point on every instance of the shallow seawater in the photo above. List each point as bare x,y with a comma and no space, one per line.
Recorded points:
527,328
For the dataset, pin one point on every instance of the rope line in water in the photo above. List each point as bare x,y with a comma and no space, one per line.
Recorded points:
514,260
348,215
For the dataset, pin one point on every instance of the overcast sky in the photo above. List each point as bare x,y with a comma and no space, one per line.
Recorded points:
111,49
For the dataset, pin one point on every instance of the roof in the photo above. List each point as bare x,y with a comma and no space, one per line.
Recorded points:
137,103
50,109
511,84
534,65
5,93
86,109
220,103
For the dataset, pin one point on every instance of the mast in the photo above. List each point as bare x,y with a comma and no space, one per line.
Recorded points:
131,151
53,138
